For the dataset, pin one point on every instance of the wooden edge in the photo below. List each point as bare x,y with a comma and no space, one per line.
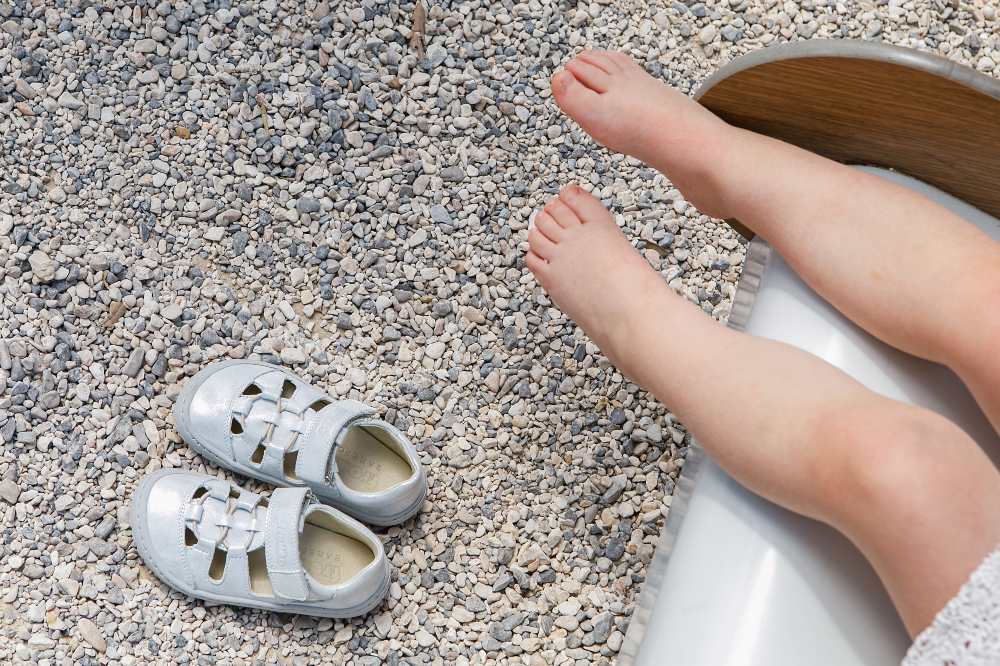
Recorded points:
855,49
851,48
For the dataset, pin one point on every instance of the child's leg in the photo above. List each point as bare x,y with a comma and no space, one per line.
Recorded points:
901,266
786,424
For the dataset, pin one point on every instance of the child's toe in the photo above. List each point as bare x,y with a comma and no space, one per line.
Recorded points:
539,244
572,96
549,227
536,265
585,205
622,60
600,59
562,213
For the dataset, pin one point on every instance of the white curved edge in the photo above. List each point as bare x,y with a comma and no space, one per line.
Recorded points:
657,568
861,50
754,266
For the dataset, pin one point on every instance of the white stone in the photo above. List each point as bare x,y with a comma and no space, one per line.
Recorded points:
292,355
172,311
25,89
314,173
358,377
383,623
462,614
417,238
92,634
568,607
42,266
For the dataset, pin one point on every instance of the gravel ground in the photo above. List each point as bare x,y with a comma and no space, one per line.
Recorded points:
298,182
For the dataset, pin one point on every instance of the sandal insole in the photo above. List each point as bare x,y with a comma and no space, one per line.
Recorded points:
330,557
367,465
259,582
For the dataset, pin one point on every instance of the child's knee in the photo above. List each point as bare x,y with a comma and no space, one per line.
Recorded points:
885,459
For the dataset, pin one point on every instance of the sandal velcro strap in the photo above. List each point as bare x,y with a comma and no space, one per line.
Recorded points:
281,543
322,435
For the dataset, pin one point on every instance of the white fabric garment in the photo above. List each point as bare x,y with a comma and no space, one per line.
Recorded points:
966,632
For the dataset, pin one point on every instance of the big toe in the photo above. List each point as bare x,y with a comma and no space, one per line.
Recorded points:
586,206
572,96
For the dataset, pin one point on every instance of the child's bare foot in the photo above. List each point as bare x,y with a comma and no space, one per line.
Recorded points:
627,110
590,270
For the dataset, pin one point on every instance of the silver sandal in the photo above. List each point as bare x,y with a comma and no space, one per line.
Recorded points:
264,422
215,541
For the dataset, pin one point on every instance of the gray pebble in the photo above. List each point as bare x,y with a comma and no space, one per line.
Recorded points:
134,364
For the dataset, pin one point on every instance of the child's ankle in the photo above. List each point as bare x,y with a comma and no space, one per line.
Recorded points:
737,174
626,340
702,168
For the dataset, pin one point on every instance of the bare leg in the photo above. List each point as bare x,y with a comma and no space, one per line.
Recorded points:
901,266
783,422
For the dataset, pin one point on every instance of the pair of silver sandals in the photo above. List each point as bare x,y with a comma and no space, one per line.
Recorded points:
299,551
